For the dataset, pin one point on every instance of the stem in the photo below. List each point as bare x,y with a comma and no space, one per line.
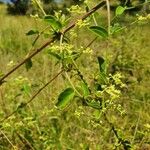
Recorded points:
120,139
136,129
35,40
94,19
25,141
108,15
8,140
26,59
40,7
72,85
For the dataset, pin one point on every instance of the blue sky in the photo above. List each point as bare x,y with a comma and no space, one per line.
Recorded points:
5,1
9,1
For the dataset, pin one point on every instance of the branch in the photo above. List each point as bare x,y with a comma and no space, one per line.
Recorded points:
125,143
35,52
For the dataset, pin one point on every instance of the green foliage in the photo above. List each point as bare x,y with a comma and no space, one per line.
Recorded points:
31,32
120,10
53,22
102,85
65,97
100,31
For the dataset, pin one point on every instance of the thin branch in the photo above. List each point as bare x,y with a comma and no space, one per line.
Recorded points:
26,59
33,97
123,142
108,15
8,140
37,2
25,141
101,4
91,42
37,37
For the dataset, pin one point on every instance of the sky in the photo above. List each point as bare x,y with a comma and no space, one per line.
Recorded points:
5,1
9,0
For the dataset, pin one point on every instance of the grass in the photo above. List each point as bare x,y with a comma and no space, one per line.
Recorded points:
40,125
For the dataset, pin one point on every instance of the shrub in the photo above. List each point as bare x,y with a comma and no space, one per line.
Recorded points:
18,7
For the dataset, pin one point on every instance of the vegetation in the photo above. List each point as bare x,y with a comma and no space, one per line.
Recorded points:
87,87
23,7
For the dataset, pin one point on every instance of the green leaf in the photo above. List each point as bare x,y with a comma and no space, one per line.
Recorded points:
97,114
102,64
55,55
26,89
120,10
84,89
31,32
28,64
100,31
116,28
94,104
103,70
54,23
65,97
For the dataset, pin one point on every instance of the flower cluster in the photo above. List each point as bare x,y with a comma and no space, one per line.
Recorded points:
144,18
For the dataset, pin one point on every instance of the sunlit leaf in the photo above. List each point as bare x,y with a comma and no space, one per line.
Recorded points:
120,10
97,113
53,22
116,28
26,89
84,89
100,31
65,98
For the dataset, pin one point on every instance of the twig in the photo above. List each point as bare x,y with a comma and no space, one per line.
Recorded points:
8,140
25,141
26,59
101,4
125,144
108,15
33,97
136,129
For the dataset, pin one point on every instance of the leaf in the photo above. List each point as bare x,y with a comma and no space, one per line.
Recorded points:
97,114
116,28
31,32
84,89
94,104
28,64
55,24
55,55
120,10
65,97
103,70
100,31
102,64
26,89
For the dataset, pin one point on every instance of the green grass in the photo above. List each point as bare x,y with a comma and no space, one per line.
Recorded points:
40,125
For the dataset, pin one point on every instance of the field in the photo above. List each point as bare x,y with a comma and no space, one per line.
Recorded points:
41,125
